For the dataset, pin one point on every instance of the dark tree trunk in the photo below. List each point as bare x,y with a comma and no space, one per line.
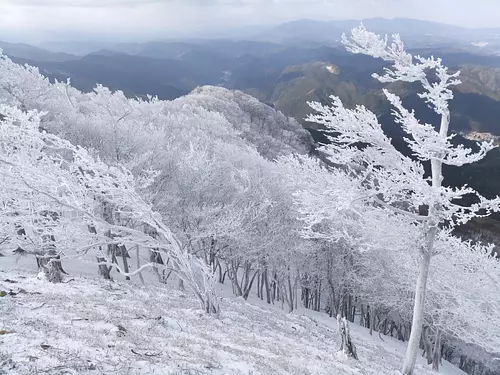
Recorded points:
234,279
124,254
258,287
318,298
353,316
268,290
372,319
290,294
262,286
104,270
436,355
51,268
427,345
305,297
249,286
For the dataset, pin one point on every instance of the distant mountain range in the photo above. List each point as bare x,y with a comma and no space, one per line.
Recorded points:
313,33
29,52
287,65
415,32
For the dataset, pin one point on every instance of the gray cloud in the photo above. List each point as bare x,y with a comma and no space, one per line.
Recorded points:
41,19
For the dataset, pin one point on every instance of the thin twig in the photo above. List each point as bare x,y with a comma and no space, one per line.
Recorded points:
39,307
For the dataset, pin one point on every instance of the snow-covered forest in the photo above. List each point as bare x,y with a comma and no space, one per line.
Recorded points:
216,193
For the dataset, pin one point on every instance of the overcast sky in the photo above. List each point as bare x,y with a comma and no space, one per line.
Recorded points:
36,20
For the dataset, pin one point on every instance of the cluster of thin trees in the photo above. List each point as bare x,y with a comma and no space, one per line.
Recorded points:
216,187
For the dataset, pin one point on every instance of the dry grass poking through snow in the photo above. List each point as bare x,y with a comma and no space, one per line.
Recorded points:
88,326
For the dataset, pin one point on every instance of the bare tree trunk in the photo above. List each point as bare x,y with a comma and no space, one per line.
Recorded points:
221,274
249,286
103,269
295,296
319,297
316,299
276,289
436,355
262,284
372,319
124,253
427,345
347,346
155,258
425,258
332,302
246,276
234,279
258,286
345,308
112,249
418,313
268,290
290,291
305,297
48,264
139,264
348,313
353,316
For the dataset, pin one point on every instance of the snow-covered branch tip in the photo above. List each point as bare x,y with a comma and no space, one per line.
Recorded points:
405,67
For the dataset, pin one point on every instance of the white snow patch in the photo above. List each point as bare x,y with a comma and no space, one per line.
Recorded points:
89,326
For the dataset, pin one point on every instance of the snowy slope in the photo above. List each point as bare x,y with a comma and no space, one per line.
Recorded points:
89,326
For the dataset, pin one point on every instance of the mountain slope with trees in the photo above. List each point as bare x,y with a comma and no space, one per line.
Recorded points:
139,187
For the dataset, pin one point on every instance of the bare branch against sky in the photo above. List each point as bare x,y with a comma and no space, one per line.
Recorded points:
29,19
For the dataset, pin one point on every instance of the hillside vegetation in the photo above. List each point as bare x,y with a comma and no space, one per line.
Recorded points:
215,193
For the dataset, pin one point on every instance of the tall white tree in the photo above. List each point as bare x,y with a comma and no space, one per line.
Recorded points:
382,178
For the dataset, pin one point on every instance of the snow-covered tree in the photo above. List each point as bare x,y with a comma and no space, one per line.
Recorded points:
270,131
35,164
376,177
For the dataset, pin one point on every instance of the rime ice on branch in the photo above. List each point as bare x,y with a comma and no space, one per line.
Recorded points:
42,171
376,177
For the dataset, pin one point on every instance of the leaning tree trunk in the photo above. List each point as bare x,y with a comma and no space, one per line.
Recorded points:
418,313
246,293
425,260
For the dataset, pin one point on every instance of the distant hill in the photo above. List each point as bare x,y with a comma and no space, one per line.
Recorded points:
29,52
134,75
74,47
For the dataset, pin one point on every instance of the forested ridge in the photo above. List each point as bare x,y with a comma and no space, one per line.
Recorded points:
216,187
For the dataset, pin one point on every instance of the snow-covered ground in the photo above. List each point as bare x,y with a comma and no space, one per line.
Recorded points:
90,326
